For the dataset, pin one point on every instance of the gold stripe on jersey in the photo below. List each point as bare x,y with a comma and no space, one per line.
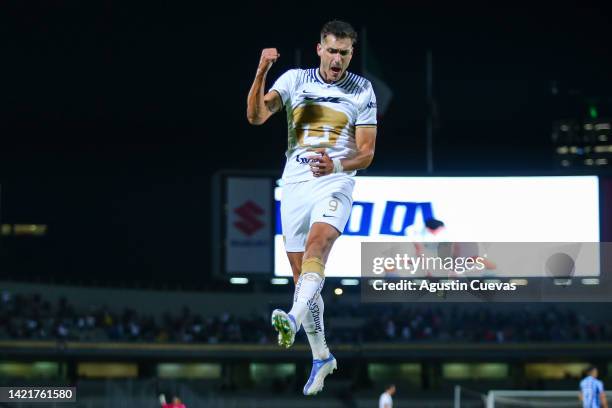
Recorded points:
320,122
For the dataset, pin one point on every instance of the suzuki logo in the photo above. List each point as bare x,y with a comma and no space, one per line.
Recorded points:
249,222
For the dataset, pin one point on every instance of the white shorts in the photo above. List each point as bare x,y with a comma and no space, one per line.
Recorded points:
327,199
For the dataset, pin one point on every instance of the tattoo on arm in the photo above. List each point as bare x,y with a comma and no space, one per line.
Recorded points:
273,102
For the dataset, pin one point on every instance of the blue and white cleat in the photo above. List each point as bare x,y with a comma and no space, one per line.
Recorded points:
320,370
285,325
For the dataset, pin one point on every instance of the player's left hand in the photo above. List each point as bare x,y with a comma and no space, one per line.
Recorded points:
321,164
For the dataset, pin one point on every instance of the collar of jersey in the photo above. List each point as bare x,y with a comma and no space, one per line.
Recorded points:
337,83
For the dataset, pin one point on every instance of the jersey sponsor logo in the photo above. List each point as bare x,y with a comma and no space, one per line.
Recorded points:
390,224
371,105
303,160
331,99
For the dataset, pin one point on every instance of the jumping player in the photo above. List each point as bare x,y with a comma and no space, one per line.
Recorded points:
331,118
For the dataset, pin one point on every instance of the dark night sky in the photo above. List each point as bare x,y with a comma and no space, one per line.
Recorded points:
114,116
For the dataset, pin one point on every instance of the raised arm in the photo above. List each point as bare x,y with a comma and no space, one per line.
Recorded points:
261,106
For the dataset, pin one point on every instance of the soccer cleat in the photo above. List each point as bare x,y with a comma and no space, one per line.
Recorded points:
320,370
284,324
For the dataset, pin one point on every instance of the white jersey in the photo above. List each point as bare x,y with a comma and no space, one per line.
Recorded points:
321,115
385,401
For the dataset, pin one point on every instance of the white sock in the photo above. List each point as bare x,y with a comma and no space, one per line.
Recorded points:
308,287
315,329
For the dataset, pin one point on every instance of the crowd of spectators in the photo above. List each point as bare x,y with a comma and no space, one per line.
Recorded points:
34,318
481,324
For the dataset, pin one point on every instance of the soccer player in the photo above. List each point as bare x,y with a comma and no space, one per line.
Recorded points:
331,118
385,400
176,402
592,392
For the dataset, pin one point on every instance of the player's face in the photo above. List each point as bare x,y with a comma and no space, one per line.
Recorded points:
335,54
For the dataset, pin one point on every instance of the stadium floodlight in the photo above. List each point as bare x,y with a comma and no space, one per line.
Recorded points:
239,281
279,281
349,282
519,282
562,282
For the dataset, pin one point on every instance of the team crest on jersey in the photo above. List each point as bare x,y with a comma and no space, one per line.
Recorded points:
318,125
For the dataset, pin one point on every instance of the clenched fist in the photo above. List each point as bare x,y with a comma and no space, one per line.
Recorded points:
321,164
268,57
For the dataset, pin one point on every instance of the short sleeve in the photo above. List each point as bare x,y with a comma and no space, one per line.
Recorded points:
600,387
367,110
285,85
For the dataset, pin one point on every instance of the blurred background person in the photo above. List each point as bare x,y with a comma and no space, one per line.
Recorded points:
386,400
592,393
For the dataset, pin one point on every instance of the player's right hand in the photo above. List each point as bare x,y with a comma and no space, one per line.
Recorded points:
268,57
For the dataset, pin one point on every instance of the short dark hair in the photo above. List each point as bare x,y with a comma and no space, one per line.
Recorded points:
590,369
389,386
340,29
